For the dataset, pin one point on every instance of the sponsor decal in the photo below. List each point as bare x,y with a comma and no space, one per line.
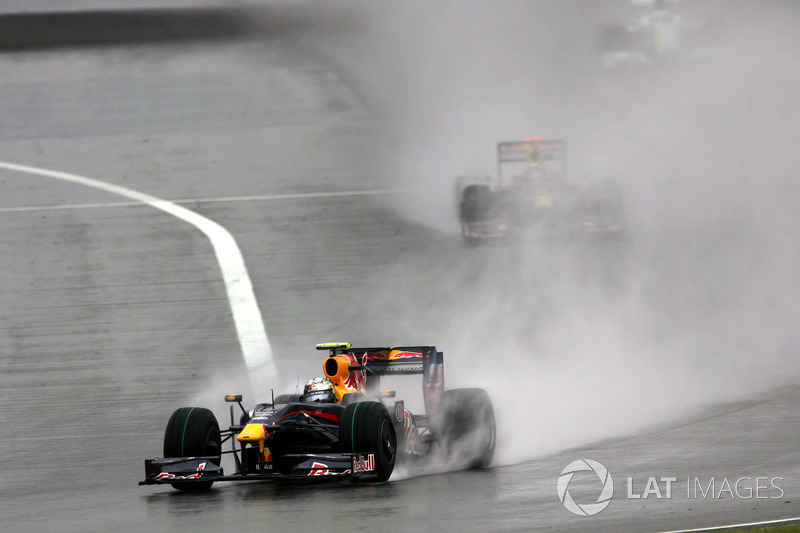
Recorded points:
167,475
356,379
403,367
321,469
432,388
360,464
435,375
411,434
405,355
264,414
369,357
399,411
316,414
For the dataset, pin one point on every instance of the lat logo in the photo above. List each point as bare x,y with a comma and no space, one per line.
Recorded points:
586,509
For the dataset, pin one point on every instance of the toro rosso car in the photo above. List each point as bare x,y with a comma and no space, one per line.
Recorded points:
343,426
532,192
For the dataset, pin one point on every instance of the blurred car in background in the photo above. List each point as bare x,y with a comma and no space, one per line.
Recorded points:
657,31
532,193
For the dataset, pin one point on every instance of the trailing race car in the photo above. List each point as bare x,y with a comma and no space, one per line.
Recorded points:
536,196
340,427
657,32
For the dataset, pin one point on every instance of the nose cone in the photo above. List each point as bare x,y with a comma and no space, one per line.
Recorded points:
252,433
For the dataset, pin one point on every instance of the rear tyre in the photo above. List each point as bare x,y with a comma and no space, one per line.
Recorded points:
365,427
466,427
192,432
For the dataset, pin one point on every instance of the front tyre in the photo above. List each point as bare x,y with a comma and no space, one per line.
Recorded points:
365,428
192,432
466,428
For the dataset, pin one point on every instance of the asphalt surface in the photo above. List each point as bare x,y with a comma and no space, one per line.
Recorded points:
116,313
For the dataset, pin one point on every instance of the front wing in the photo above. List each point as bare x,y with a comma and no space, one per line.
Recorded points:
187,470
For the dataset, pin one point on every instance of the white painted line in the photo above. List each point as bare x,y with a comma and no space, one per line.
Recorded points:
294,196
253,340
734,526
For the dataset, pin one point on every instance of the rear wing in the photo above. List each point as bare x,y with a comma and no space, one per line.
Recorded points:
401,360
407,360
530,151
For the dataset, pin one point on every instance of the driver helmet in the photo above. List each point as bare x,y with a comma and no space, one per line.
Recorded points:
318,390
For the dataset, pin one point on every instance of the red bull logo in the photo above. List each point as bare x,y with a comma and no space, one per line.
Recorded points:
321,469
361,464
167,475
404,355
356,379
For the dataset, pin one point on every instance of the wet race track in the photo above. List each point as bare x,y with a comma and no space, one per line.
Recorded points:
328,151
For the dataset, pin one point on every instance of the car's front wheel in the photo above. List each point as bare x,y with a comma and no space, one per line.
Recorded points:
365,428
192,432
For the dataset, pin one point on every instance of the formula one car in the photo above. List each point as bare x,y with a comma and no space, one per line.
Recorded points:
341,427
658,32
536,196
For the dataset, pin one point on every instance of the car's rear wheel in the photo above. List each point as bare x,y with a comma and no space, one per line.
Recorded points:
466,428
365,428
192,432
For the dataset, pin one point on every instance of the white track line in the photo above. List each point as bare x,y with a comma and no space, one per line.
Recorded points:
253,340
218,199
735,526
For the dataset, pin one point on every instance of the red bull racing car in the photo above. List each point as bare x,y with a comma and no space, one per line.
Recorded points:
342,426
532,193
